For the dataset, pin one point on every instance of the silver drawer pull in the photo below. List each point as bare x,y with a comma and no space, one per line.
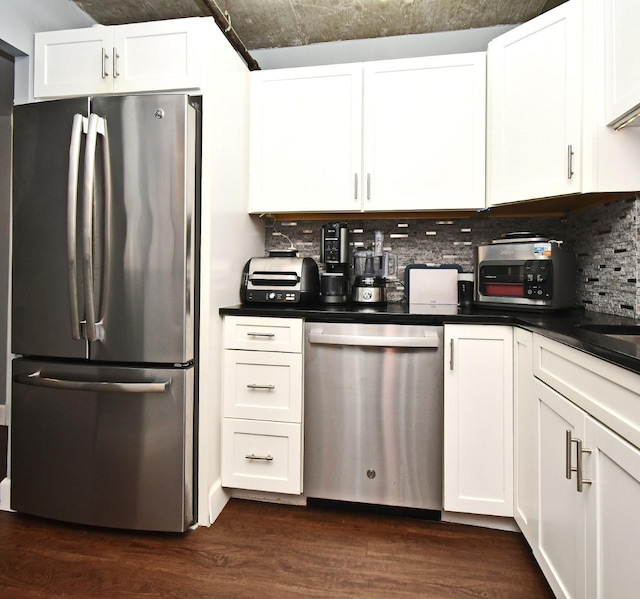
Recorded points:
255,386
253,334
253,456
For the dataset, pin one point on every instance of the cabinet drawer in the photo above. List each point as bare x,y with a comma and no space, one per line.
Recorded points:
263,334
263,385
276,447
609,393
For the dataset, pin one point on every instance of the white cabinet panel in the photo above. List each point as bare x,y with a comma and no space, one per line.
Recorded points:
478,419
264,456
156,56
424,133
613,527
405,134
263,334
561,542
73,63
263,386
535,109
525,437
609,393
262,404
159,55
622,48
588,537
306,132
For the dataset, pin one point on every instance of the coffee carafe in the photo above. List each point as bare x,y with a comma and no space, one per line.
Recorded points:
334,253
371,268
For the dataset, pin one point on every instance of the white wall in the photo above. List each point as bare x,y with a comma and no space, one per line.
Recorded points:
20,19
405,46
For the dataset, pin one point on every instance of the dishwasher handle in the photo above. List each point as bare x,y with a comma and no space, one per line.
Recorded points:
429,340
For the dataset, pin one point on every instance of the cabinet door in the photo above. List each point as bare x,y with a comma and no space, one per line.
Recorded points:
262,456
75,62
622,47
263,334
535,109
424,133
262,385
161,55
561,543
613,527
525,437
306,139
478,419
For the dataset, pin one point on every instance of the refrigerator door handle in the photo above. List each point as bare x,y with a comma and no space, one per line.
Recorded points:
79,125
108,199
87,226
36,380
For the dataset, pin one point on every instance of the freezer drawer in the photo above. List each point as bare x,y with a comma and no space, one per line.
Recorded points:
106,446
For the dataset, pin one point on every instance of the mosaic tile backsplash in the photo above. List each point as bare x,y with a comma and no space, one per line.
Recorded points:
604,239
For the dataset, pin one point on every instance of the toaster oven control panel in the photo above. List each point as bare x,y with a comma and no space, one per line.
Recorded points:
273,297
538,279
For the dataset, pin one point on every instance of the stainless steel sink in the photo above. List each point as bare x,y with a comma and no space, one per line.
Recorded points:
630,333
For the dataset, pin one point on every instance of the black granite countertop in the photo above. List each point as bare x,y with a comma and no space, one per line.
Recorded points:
565,326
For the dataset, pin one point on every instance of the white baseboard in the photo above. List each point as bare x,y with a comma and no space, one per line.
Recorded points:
3,415
218,498
5,495
497,522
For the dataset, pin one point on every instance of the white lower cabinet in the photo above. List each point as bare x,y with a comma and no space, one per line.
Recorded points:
613,526
262,404
478,419
262,455
561,534
586,533
525,493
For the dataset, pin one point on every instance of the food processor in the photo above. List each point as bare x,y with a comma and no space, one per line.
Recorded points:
371,268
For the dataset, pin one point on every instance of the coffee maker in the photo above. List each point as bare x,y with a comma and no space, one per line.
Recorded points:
334,253
371,268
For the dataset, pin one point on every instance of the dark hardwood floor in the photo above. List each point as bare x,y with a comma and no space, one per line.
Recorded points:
261,550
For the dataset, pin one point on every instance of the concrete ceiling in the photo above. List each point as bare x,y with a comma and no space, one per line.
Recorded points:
284,23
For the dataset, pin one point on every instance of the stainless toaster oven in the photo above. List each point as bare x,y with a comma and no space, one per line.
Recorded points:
280,280
520,271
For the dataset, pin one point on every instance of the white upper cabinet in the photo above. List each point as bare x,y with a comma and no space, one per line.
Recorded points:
404,134
622,51
424,133
160,55
306,147
547,132
534,108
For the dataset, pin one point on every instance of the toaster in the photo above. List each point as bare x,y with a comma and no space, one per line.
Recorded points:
280,280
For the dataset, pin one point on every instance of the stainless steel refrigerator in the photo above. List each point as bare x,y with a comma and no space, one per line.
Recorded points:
104,310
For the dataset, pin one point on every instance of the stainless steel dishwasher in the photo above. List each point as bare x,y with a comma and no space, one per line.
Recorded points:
374,414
